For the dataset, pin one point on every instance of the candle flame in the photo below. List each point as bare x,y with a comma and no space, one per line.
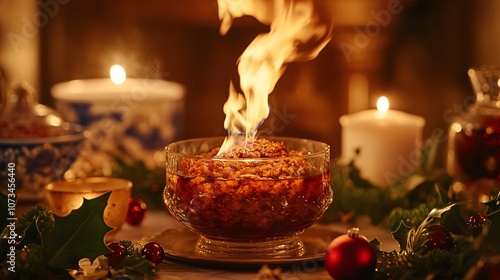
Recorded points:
117,74
383,104
295,34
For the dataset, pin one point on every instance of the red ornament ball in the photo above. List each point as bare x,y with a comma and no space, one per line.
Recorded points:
117,254
475,224
438,237
153,252
136,211
350,256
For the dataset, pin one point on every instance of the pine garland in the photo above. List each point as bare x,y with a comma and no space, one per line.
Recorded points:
405,209
36,226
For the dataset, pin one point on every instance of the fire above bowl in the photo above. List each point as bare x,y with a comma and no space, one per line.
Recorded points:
253,201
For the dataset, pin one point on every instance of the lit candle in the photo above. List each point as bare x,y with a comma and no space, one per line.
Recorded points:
127,118
388,142
122,92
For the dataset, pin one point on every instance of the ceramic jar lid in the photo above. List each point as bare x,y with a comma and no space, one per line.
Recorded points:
21,116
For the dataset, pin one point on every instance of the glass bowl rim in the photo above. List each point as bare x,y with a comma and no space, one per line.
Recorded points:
325,149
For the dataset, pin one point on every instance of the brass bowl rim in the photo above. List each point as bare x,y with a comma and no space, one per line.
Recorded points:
54,186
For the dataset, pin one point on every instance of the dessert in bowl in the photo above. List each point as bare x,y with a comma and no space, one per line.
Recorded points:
252,200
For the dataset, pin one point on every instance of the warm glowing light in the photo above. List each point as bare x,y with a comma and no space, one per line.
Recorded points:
457,187
117,74
483,198
383,104
295,34
53,120
457,127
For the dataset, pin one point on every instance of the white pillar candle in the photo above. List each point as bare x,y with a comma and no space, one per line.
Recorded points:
128,118
389,142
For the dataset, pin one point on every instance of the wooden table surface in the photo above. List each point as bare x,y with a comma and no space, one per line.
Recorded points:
157,222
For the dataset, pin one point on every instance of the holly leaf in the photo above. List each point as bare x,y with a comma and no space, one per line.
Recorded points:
77,235
437,212
494,204
375,244
137,264
401,235
428,155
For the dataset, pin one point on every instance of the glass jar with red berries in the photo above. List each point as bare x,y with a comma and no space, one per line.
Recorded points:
474,139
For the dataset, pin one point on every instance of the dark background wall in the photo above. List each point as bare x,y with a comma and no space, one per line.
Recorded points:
418,57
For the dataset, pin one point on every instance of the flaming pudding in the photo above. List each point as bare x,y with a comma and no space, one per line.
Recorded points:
250,197
254,195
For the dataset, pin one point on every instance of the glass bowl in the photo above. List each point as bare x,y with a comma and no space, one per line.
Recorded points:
248,207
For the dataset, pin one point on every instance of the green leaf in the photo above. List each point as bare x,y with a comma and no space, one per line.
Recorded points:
428,155
78,235
375,244
494,204
437,212
137,264
401,235
148,183
355,176
407,186
33,224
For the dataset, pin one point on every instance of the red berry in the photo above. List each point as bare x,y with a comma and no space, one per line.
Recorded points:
438,237
153,252
136,211
117,254
350,256
475,224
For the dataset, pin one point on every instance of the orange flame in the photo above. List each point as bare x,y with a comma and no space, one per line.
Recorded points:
295,34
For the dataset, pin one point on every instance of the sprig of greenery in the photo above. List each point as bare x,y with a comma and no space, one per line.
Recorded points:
409,198
355,196
148,183
134,263
409,205
411,217
33,224
51,245
413,263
